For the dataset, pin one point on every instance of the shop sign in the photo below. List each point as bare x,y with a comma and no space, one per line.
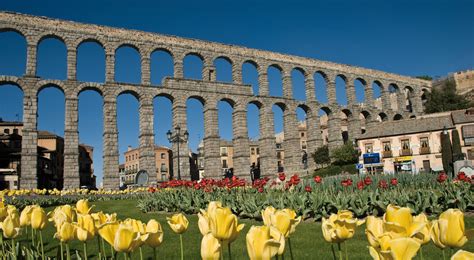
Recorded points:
403,158
370,158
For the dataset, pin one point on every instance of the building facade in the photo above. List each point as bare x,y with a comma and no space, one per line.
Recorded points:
414,145
463,81
163,161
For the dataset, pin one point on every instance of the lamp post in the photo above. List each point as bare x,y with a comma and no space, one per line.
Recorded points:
177,137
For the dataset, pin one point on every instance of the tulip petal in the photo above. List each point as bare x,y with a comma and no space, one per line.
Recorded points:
404,248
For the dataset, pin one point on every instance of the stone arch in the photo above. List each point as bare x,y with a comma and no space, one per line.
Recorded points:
18,52
397,117
229,101
131,73
81,41
324,115
377,90
409,95
365,118
193,64
46,65
381,117
341,89
165,95
298,83
161,65
98,63
50,83
10,80
250,75
201,99
51,35
130,91
223,65
57,116
89,86
275,80
359,89
12,29
11,105
321,80
424,96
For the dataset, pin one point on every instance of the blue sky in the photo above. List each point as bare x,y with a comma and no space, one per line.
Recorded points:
404,37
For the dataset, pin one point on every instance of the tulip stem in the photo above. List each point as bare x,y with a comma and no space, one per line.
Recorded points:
421,252
68,253
41,242
112,252
444,256
14,249
291,251
181,243
61,246
345,249
230,253
85,250
141,253
154,253
222,250
333,252
340,250
103,248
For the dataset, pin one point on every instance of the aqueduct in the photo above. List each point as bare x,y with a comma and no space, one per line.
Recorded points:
209,91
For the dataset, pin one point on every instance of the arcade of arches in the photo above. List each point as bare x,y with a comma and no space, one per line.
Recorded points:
399,97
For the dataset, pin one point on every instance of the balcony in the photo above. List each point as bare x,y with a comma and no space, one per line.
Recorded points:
425,150
387,154
405,152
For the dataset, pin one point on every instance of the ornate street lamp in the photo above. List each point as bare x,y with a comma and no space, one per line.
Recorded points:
177,137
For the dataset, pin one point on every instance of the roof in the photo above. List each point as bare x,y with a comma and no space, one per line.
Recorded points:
47,134
425,123
10,123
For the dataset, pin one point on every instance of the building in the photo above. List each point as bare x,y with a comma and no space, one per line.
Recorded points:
414,145
163,161
50,172
463,81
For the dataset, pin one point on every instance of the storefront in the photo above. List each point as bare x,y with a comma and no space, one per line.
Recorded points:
372,164
404,164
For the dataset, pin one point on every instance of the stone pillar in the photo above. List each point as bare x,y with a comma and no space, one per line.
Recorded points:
314,138
179,119
291,143
110,139
263,81
334,131
401,99
31,60
212,158
110,66
145,69
353,125
240,142
147,141
267,143
209,73
71,63
71,144
416,101
331,90
350,92
287,86
309,88
178,62
237,72
369,94
385,96
29,142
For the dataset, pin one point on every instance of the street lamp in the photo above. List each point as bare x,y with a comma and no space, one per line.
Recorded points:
177,137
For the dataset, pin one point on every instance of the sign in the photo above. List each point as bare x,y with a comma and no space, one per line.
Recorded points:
359,166
370,158
403,158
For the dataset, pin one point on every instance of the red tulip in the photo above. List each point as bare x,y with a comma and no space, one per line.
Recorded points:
367,180
442,177
394,181
383,184
308,188
281,176
318,179
360,185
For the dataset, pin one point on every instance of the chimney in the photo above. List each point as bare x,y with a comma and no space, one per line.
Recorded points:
129,148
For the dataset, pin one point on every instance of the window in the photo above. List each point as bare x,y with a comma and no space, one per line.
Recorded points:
368,148
303,145
424,142
302,134
279,155
405,144
6,131
386,146
224,163
468,134
470,154
258,150
15,131
163,168
162,155
252,151
278,146
223,151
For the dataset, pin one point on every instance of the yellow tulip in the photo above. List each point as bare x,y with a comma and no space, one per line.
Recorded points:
127,240
224,225
423,236
260,243
340,227
82,206
61,214
266,215
12,210
178,223
108,230
403,248
210,247
38,218
3,211
213,205
285,221
65,232
137,225
11,226
85,228
100,218
374,229
463,255
155,233
400,222
25,216
203,223
448,230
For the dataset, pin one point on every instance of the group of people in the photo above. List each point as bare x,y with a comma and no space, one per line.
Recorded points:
254,172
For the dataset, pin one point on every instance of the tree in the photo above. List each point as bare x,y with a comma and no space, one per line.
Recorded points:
446,152
321,156
345,154
445,99
457,152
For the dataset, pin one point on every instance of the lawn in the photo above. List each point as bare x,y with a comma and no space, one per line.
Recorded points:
307,241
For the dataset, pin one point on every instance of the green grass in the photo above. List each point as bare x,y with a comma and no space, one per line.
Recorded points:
307,241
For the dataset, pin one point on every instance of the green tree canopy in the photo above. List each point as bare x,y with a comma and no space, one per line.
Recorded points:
345,154
445,99
321,156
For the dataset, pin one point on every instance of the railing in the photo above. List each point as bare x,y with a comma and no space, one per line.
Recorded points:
425,150
387,154
405,152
